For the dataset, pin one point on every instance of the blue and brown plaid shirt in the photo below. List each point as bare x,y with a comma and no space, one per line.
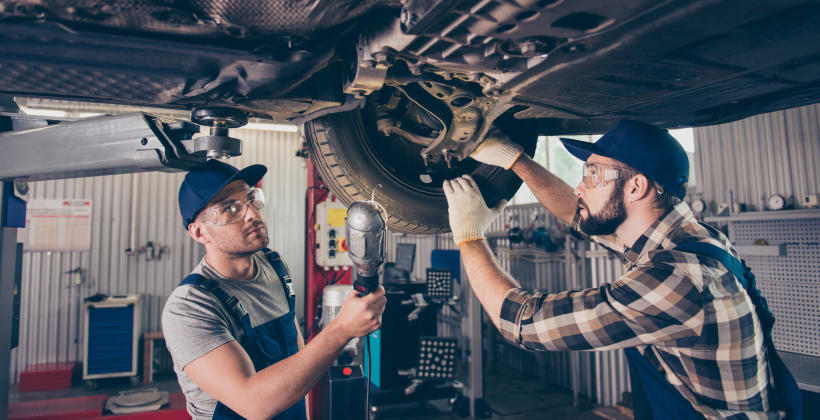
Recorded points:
687,314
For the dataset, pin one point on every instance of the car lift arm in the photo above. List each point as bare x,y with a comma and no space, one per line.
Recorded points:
116,144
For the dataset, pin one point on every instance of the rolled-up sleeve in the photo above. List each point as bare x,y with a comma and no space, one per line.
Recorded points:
648,305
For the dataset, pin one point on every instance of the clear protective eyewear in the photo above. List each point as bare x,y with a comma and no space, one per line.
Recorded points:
599,174
228,212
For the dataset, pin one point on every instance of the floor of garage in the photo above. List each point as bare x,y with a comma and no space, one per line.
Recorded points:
509,395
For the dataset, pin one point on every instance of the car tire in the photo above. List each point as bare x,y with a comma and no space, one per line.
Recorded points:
343,152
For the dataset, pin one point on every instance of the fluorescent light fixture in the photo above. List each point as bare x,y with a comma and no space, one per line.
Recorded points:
288,128
89,114
45,112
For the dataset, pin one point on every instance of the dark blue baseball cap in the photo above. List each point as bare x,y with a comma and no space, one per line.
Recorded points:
202,184
651,150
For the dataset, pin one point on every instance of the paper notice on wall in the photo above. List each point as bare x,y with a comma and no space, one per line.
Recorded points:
57,225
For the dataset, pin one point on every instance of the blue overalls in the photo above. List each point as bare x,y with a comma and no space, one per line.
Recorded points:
653,397
266,344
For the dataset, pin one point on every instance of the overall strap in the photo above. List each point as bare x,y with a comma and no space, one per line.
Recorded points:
284,275
229,302
786,388
741,272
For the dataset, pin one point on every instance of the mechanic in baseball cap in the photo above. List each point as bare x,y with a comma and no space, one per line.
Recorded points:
230,325
685,310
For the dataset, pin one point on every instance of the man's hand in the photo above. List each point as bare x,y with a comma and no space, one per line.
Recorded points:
360,315
498,150
469,216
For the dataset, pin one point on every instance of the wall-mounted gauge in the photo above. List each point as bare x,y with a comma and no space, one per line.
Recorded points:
698,206
775,202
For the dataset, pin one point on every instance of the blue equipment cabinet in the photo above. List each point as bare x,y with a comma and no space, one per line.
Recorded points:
111,339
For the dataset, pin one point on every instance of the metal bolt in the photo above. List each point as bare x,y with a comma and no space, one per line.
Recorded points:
447,157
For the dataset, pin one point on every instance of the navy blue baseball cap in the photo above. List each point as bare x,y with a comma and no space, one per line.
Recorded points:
651,150
202,184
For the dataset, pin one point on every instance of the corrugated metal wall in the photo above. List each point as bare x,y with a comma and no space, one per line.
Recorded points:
759,156
51,305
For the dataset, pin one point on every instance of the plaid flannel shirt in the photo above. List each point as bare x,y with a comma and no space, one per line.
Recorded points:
687,314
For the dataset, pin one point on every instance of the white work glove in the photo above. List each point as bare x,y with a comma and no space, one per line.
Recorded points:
498,150
469,216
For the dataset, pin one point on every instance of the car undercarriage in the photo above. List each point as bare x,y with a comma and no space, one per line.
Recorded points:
398,94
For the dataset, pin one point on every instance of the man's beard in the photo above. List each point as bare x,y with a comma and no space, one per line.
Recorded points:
609,218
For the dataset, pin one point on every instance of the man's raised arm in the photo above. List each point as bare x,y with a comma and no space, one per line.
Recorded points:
556,195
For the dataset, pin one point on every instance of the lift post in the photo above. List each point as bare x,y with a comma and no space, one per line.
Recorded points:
10,255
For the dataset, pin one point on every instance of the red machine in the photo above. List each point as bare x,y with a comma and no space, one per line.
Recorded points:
325,242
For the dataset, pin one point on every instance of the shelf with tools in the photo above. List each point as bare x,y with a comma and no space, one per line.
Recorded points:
766,215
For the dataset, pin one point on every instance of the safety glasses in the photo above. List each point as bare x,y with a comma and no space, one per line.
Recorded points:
228,212
599,174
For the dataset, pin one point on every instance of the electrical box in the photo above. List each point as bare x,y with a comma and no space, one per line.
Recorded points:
331,246
111,338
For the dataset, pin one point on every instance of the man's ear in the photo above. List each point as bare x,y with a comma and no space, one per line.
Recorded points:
637,188
197,232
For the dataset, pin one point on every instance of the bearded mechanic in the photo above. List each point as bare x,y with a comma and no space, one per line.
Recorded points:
701,350
230,325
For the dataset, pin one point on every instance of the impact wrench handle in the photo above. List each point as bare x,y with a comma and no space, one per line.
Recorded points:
366,285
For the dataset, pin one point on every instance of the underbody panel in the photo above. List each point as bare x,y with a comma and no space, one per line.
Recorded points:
579,66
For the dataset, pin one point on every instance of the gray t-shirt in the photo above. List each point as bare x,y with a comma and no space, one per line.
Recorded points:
194,322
